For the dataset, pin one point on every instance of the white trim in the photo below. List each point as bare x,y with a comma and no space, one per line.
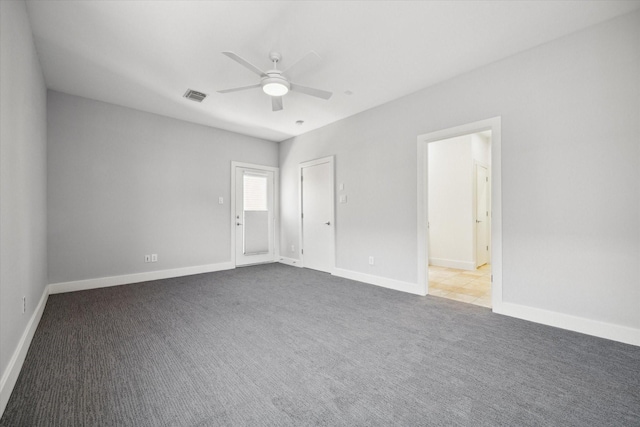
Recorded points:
276,206
453,263
103,282
331,161
583,325
11,373
398,285
493,124
290,261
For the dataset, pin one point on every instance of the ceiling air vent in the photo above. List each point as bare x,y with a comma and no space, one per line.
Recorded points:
194,95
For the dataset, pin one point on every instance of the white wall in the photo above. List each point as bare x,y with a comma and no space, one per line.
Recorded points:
481,148
123,183
451,215
570,173
451,194
23,125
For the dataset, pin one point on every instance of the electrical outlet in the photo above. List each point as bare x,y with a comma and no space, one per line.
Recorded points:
370,260
147,258
24,305
221,200
154,257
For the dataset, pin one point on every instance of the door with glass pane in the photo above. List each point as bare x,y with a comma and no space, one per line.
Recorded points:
254,216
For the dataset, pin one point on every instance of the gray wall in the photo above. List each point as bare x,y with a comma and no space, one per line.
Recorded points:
570,172
23,126
123,183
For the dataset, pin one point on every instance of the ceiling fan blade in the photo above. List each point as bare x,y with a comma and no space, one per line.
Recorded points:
276,103
245,63
237,89
308,58
318,93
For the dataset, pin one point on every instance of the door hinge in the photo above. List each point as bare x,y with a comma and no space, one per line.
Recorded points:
487,178
301,178
302,251
487,213
302,215
492,278
487,247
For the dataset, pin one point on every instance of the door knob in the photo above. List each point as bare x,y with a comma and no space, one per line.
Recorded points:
237,223
328,222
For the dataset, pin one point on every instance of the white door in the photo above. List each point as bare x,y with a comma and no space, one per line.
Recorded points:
317,215
482,216
254,216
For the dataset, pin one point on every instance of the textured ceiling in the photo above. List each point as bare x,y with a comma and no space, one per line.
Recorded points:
145,54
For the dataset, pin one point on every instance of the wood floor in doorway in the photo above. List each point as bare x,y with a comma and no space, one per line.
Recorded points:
461,285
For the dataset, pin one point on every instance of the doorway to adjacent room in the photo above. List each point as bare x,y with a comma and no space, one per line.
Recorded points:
459,221
460,218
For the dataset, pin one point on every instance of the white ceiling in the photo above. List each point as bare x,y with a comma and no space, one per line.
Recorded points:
145,54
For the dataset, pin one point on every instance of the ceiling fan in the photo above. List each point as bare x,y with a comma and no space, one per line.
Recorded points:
274,82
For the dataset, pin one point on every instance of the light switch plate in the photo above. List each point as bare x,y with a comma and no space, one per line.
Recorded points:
343,198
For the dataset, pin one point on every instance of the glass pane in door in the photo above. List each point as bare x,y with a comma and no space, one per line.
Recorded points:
256,214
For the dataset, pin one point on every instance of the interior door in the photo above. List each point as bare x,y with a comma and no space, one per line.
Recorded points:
254,216
317,216
482,216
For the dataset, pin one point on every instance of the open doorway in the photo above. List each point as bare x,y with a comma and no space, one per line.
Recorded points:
459,200
441,262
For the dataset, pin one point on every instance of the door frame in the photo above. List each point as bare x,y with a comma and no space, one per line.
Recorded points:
494,125
276,206
477,163
301,166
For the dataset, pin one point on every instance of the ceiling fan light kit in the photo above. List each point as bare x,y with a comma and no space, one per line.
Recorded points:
273,82
275,86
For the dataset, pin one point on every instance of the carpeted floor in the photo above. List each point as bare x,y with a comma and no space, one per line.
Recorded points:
277,345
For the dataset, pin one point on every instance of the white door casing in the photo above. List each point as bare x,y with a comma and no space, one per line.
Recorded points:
254,214
482,214
317,217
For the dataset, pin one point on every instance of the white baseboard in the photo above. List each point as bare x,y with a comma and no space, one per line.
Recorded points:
596,328
290,261
452,263
10,375
103,282
398,285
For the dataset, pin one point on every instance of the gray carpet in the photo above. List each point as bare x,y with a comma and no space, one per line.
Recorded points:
276,345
